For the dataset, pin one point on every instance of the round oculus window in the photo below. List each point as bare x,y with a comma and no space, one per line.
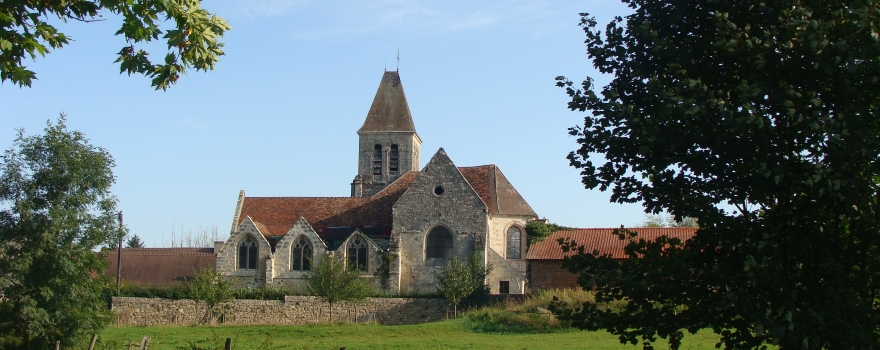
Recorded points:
439,190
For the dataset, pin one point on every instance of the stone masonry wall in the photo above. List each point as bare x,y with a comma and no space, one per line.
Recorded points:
439,196
294,310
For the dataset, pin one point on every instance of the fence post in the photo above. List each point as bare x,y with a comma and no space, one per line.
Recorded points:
228,344
144,343
94,339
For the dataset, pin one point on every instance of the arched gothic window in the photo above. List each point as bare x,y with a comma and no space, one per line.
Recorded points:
377,159
247,254
394,160
302,255
514,243
357,254
438,248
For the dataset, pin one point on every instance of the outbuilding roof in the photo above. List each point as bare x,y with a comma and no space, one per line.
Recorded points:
161,266
602,239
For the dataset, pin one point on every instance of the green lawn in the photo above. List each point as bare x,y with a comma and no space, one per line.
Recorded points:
457,334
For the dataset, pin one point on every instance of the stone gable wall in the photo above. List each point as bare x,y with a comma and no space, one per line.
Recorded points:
419,210
227,263
294,310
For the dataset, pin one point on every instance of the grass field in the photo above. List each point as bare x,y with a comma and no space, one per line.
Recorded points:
455,334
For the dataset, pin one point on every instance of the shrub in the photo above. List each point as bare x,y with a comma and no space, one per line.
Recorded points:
532,314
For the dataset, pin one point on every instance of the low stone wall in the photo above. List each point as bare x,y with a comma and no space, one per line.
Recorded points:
294,310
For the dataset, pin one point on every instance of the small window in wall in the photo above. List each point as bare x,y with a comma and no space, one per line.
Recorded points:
504,287
357,254
514,243
302,255
438,248
377,160
394,161
247,254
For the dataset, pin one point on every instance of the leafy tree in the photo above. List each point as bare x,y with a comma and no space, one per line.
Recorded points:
460,279
666,220
537,230
330,280
211,288
56,209
192,42
759,118
134,242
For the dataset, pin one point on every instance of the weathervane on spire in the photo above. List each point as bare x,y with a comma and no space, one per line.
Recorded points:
398,59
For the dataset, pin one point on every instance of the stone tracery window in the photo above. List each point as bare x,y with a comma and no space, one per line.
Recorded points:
438,247
514,243
302,255
247,254
357,254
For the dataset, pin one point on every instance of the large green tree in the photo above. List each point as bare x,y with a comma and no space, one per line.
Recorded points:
193,40
56,210
759,119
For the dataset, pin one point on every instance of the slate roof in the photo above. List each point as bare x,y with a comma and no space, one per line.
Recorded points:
495,191
389,111
160,266
601,239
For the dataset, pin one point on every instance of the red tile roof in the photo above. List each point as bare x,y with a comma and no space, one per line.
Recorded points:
602,239
279,214
494,189
160,266
276,215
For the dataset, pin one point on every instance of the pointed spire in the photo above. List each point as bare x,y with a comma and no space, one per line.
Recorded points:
389,111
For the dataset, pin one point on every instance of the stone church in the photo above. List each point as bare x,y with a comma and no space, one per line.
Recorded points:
399,227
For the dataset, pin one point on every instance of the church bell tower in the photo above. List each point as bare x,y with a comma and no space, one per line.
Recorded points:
389,145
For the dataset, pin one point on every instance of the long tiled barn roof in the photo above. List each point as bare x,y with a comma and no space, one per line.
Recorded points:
602,239
161,266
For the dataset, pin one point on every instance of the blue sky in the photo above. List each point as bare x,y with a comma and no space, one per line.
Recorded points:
279,115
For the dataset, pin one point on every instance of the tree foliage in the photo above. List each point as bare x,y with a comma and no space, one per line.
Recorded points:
56,209
134,242
210,287
462,278
537,230
758,119
333,282
666,220
193,42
